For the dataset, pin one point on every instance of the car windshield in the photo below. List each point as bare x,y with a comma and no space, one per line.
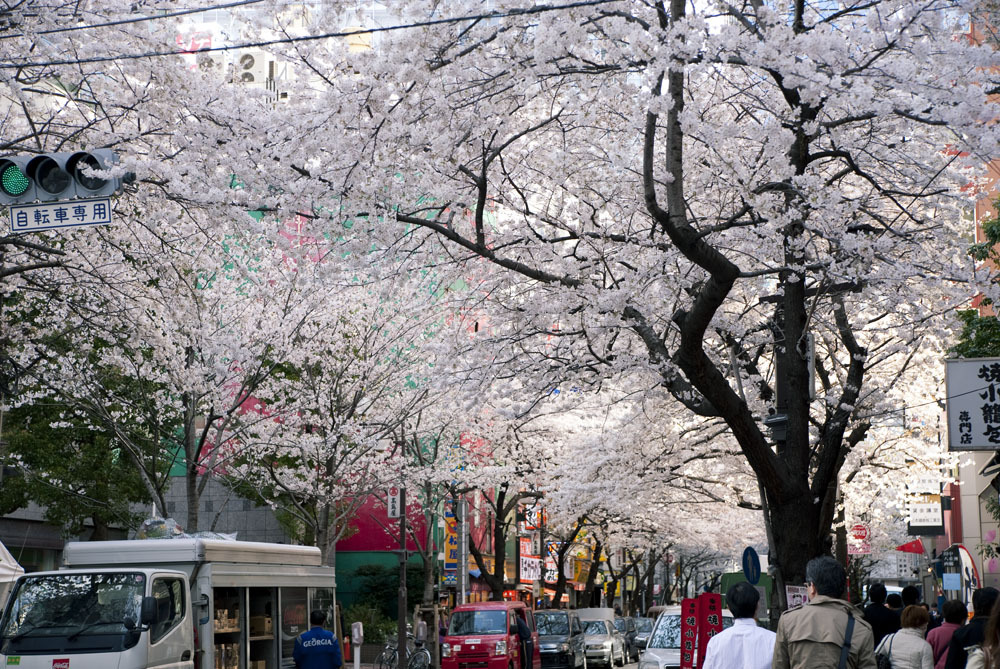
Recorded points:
596,627
478,622
644,624
667,633
620,624
552,623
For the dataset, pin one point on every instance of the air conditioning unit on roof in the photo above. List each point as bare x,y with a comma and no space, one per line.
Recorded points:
254,67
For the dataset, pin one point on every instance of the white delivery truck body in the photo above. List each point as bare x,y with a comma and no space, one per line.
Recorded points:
187,603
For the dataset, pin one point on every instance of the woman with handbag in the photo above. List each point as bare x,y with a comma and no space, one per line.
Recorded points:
907,649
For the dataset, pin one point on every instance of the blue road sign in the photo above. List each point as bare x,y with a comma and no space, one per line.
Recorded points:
751,565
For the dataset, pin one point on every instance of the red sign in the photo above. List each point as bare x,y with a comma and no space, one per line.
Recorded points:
60,664
709,621
689,632
859,532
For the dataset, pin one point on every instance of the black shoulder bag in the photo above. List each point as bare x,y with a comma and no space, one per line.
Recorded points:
846,648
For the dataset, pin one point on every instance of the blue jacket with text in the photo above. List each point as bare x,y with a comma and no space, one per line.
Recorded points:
317,649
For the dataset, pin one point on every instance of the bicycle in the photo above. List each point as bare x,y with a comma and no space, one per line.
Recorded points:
389,657
420,658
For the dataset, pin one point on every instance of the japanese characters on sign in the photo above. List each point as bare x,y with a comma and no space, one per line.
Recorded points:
689,632
392,502
973,389
450,547
709,621
52,215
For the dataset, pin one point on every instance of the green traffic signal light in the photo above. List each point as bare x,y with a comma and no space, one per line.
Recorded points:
12,179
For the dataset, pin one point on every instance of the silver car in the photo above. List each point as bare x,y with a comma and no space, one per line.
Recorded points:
605,644
663,650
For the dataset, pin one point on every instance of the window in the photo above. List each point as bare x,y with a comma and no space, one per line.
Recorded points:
170,606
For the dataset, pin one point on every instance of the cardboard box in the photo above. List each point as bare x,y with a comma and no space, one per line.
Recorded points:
260,625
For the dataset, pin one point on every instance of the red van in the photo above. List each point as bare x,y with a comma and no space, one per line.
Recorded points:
484,636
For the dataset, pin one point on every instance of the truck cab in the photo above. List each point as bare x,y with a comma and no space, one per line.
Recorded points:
188,603
99,618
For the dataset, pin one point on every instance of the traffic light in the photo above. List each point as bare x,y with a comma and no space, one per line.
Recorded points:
56,177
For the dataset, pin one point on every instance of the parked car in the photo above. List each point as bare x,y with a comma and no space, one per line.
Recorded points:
561,640
643,626
484,635
605,644
663,650
626,626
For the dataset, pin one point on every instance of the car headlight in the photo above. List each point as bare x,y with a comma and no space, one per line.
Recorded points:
564,648
645,664
446,650
501,648
607,645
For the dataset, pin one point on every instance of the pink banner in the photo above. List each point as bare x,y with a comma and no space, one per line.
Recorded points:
709,621
689,632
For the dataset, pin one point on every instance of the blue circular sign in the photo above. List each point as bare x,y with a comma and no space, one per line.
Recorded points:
751,565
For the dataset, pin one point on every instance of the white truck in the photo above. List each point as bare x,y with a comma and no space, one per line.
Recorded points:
186,603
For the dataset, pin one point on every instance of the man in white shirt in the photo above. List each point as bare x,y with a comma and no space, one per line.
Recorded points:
744,645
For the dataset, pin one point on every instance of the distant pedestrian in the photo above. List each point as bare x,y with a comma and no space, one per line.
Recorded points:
935,618
973,634
882,620
910,596
813,636
907,649
527,648
955,615
745,645
317,648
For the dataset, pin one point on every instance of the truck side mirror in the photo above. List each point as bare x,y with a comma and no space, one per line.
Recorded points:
147,615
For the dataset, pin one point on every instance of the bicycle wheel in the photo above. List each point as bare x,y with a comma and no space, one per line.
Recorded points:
420,659
386,659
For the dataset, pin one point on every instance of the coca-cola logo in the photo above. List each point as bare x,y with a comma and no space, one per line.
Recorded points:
60,664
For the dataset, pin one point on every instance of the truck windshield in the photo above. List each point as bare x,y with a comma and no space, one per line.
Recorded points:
478,622
73,612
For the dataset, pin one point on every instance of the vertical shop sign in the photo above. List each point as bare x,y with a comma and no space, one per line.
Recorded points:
709,621
689,632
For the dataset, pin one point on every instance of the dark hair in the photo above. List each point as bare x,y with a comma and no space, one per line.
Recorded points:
910,595
827,575
742,598
955,611
317,617
914,616
877,593
894,601
983,600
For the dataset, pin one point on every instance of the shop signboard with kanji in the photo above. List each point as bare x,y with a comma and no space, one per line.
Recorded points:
709,621
973,392
689,632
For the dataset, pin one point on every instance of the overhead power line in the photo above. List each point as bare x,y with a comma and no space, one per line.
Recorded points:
538,9
137,19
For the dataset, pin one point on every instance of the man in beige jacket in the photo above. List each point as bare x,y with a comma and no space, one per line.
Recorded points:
811,636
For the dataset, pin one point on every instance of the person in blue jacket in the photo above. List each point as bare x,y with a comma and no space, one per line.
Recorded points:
317,648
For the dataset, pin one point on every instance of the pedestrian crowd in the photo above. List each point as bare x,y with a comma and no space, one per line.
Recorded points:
895,631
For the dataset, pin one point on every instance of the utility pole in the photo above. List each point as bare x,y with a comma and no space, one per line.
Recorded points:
401,622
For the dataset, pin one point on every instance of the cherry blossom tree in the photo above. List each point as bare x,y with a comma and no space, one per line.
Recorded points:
723,201
694,204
